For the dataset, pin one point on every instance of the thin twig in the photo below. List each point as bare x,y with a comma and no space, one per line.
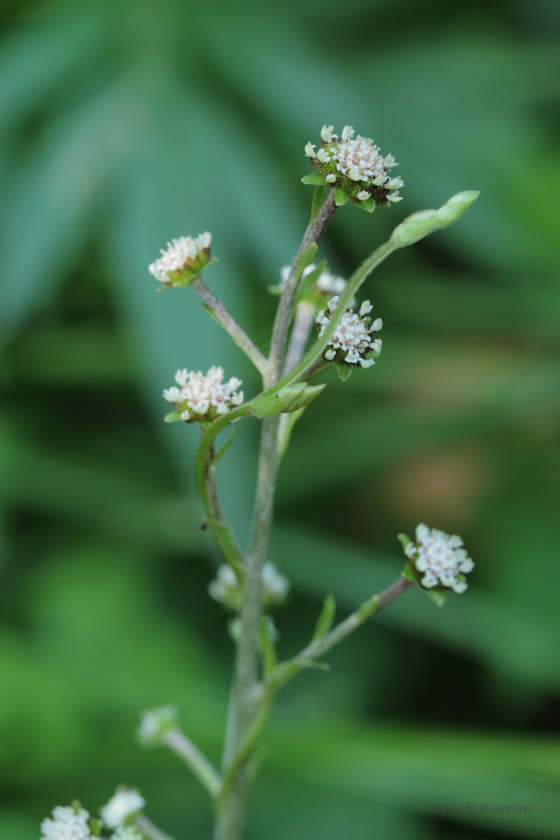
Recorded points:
285,671
204,771
230,324
147,827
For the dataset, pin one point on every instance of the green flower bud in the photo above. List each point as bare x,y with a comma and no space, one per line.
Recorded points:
455,207
415,227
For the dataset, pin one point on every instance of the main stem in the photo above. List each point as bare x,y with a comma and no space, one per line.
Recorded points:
246,699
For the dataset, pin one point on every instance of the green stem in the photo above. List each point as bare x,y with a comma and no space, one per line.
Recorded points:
204,771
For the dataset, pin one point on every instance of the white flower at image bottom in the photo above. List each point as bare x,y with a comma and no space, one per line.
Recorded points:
125,802
66,824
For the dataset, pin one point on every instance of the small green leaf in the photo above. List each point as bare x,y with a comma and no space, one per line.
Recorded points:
318,198
310,663
404,540
437,596
368,205
326,618
222,451
344,371
172,417
290,398
316,179
310,280
95,827
286,431
408,573
341,196
305,258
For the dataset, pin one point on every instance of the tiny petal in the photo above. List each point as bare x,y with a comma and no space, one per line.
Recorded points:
323,156
365,308
310,150
347,132
377,324
330,178
327,133
363,195
365,363
330,354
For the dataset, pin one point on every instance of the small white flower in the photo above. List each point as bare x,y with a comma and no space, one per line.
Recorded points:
67,824
394,184
363,195
377,324
330,178
354,173
203,398
323,156
180,255
125,802
310,150
394,197
276,586
327,133
440,557
347,132
154,723
351,341
226,588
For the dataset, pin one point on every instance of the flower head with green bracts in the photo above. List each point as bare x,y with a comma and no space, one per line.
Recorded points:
352,342
354,167
439,558
226,588
200,399
183,260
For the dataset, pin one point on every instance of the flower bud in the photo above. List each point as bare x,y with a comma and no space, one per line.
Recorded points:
456,206
122,807
415,227
155,723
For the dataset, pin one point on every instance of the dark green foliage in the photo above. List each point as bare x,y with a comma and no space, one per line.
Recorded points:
129,123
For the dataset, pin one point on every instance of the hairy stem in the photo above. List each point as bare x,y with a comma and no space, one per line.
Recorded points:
230,324
204,771
303,322
313,233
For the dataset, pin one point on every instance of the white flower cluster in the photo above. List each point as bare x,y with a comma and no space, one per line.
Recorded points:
125,802
441,557
182,255
356,165
351,341
68,823
226,588
201,398
327,284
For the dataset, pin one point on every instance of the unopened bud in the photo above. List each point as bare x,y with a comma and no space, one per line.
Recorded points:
455,207
155,723
415,227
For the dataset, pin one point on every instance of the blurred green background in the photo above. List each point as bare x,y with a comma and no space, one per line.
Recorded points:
127,123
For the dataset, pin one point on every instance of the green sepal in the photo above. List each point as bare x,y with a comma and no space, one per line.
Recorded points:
437,596
309,281
408,573
172,417
223,449
76,806
344,371
95,826
326,618
267,647
315,179
368,205
187,275
316,204
404,540
341,196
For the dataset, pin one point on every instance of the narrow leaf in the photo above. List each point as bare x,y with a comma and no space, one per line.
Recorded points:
318,198
344,371
437,596
172,417
223,449
326,618
368,205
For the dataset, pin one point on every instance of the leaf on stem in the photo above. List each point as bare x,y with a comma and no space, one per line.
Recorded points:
316,204
315,179
172,417
368,205
326,618
341,196
223,449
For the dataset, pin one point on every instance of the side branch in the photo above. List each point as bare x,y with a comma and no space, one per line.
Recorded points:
204,771
285,671
147,827
230,324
